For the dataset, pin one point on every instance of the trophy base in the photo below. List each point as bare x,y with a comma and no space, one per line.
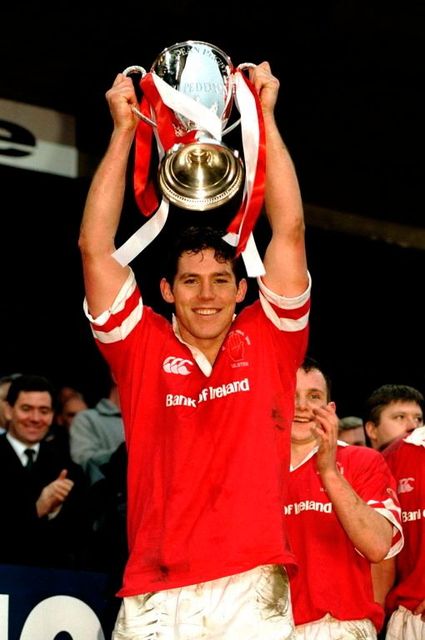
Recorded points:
201,175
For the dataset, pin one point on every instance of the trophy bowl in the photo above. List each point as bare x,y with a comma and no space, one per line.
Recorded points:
201,175
186,108
200,172
200,71
204,174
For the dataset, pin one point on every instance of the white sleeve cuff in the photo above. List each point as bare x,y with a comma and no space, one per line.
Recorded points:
118,304
282,301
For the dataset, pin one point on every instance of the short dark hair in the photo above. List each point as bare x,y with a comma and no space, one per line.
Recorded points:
309,364
387,394
29,382
196,239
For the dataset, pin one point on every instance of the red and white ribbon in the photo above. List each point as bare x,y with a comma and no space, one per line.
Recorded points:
161,103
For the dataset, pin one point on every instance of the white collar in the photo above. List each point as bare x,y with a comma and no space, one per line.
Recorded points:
200,358
19,448
417,437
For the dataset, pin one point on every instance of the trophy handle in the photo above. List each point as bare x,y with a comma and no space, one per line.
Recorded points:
136,69
241,67
246,65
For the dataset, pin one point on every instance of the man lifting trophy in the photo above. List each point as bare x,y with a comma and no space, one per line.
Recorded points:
187,102
207,383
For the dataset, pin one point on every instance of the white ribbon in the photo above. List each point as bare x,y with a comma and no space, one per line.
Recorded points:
150,229
247,107
252,260
143,236
206,120
201,116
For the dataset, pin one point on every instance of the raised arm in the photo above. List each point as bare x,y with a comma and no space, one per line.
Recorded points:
103,275
369,531
285,259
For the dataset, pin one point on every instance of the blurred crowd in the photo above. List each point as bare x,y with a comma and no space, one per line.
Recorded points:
63,473
63,468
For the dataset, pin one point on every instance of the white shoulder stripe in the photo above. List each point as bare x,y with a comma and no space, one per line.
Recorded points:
284,302
121,332
284,324
118,304
388,513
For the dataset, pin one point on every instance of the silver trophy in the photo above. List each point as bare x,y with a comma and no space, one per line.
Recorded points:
196,81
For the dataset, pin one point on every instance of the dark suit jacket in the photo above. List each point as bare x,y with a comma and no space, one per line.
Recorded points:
25,538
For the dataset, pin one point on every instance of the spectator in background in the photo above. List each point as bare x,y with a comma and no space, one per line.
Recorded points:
392,411
5,382
96,433
43,498
65,391
68,408
351,431
342,515
66,411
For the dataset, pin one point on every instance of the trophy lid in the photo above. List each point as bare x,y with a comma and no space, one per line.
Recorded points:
170,57
201,175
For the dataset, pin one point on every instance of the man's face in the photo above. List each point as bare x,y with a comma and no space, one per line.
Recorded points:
311,393
397,420
70,408
205,294
31,416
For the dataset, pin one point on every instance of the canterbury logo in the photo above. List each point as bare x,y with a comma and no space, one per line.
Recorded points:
405,485
177,365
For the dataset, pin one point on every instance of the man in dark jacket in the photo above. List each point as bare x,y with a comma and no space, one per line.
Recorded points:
44,494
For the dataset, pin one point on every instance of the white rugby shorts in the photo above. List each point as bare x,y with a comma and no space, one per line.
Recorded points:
254,605
329,628
403,625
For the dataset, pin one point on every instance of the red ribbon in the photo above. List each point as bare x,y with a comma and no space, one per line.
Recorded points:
144,189
170,132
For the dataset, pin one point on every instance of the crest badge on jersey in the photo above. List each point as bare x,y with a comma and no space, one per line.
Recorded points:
406,485
236,348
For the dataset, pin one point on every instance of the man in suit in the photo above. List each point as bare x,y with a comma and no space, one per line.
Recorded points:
43,497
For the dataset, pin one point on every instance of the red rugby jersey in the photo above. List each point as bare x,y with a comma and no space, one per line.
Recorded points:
406,459
333,577
208,447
